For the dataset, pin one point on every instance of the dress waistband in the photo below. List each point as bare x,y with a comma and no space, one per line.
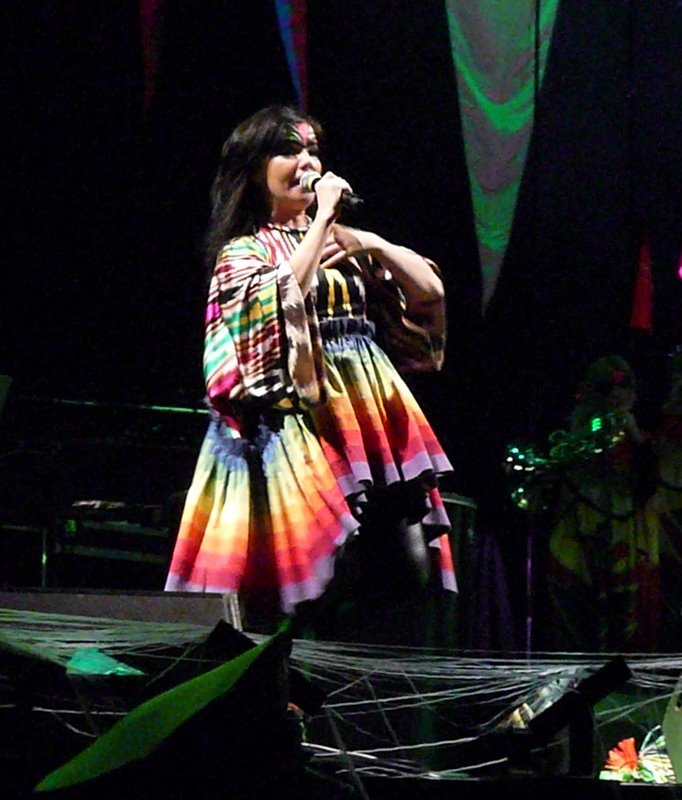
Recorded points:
340,327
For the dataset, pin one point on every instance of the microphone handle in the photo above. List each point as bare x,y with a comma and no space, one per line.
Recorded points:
349,200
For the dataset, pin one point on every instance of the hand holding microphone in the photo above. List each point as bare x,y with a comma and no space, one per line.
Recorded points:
348,199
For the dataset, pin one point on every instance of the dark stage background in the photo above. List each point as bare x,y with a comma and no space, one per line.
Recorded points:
105,203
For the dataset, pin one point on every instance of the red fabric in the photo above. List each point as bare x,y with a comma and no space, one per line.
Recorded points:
642,302
300,40
643,299
150,18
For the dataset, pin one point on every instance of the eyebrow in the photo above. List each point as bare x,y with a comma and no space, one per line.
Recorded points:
303,145
293,135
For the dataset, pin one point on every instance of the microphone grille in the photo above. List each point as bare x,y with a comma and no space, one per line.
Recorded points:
308,180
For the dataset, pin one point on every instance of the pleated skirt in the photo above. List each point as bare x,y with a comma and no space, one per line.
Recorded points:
267,513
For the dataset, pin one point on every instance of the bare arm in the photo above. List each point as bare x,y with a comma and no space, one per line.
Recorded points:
421,285
306,259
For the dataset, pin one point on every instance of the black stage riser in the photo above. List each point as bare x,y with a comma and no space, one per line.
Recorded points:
184,607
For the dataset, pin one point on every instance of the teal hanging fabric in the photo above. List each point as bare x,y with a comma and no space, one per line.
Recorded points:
499,49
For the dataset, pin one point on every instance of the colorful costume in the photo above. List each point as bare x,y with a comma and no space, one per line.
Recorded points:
667,503
310,419
604,560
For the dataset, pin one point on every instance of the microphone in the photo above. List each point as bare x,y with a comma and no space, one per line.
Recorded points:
348,200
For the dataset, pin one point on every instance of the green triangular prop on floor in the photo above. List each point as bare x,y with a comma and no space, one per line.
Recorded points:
88,661
141,731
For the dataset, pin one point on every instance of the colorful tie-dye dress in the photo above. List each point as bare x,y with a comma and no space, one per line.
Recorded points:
308,418
603,575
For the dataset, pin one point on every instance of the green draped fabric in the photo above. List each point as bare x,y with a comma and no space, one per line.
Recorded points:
141,731
494,47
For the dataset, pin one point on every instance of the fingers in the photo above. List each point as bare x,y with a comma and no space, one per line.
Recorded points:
331,181
343,244
331,246
331,250
348,239
329,190
334,259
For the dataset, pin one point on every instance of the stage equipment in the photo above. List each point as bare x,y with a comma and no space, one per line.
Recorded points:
573,710
91,493
529,471
112,545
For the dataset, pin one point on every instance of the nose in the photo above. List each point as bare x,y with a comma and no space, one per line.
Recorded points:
306,160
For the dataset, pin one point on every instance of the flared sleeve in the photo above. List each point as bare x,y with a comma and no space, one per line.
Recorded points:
257,337
414,344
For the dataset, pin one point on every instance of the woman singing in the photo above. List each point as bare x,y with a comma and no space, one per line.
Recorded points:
315,440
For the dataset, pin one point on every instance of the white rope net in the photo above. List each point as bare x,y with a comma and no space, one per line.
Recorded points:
388,710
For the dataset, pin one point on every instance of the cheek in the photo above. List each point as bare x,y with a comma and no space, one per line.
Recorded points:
279,171
624,398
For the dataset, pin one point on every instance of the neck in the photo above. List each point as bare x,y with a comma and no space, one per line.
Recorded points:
299,220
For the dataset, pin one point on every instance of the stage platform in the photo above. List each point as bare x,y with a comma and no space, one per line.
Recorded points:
146,606
323,719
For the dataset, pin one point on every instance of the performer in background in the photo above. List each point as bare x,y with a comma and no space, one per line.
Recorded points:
603,551
315,440
667,502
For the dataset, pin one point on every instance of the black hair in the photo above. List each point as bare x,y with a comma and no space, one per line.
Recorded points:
238,202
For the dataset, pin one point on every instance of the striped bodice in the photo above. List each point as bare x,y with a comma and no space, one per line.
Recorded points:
338,293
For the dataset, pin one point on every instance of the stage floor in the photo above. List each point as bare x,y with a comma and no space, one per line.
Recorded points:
319,719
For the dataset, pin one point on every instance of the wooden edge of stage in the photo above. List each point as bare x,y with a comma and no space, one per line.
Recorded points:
183,607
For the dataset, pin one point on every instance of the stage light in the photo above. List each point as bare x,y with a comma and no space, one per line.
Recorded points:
563,706
574,710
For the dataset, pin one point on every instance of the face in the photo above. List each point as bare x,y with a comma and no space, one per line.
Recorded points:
622,398
296,154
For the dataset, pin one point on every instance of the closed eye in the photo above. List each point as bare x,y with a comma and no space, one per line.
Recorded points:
295,149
